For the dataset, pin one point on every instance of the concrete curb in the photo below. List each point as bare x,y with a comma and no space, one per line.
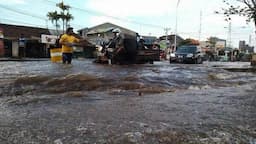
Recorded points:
24,59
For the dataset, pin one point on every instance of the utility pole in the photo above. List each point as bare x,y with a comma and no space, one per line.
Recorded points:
229,35
250,40
166,35
229,42
200,27
176,26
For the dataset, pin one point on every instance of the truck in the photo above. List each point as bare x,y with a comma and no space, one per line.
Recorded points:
131,51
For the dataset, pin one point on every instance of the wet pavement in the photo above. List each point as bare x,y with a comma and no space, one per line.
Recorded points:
44,102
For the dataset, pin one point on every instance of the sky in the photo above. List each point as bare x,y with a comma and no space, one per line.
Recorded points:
195,18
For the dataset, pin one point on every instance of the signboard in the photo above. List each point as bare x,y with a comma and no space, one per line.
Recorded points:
48,39
1,33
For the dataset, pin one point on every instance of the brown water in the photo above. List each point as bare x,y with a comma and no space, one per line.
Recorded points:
43,102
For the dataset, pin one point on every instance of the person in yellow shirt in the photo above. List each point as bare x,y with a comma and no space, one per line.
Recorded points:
68,40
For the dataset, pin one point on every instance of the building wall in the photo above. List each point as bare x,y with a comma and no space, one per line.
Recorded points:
7,48
1,48
15,49
242,45
33,48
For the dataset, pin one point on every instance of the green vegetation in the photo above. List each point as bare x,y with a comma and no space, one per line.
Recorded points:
245,8
64,15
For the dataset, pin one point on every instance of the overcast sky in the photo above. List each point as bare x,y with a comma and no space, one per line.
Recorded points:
148,17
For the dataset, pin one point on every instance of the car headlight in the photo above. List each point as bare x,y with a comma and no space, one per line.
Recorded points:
172,54
189,55
99,48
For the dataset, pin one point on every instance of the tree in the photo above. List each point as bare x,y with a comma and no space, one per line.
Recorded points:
64,15
245,8
68,17
212,41
54,18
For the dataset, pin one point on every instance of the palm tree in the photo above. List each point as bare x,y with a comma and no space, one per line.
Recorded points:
63,7
64,15
68,18
54,17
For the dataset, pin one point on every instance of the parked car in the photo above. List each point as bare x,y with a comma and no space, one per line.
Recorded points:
187,54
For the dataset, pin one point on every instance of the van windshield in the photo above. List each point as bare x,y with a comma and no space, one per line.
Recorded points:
186,49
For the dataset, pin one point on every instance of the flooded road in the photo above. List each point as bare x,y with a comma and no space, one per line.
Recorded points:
43,102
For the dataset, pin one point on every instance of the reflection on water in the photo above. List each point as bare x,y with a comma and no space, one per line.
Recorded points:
214,103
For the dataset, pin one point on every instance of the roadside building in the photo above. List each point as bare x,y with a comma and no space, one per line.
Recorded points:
220,45
24,41
171,39
206,46
208,50
245,48
216,44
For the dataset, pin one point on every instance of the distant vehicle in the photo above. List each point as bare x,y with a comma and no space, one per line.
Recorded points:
131,51
187,54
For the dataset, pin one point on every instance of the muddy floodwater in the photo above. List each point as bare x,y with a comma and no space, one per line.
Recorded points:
86,103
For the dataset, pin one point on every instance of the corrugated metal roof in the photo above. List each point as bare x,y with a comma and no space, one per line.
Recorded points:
100,30
15,31
106,26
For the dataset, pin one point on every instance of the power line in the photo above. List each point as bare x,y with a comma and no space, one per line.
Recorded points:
79,9
28,24
113,17
15,21
22,12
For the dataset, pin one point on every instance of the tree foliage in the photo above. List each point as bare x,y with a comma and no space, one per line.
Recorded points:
212,41
245,8
64,15
54,18
189,41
